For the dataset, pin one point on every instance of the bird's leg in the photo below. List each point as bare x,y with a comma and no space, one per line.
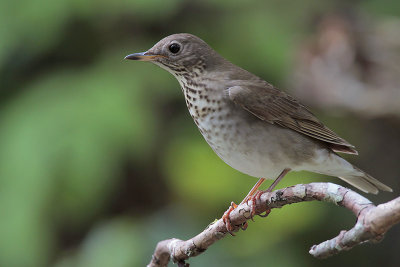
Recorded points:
233,206
277,180
253,190
257,195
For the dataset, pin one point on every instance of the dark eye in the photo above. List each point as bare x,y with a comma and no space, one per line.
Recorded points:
174,48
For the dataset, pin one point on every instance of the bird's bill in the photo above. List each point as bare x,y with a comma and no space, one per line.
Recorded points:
144,56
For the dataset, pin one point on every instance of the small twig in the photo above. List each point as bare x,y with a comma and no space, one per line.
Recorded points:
371,225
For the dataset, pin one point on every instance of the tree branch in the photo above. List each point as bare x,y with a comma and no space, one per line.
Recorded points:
372,222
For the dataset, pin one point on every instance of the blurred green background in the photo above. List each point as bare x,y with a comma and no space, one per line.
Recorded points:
100,160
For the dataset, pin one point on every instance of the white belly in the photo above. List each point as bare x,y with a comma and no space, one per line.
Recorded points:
254,147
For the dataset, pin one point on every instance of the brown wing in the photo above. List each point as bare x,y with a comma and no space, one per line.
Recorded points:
274,106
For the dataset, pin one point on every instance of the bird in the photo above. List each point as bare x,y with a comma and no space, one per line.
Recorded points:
250,124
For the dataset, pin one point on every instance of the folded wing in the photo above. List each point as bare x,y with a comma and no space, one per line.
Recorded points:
274,106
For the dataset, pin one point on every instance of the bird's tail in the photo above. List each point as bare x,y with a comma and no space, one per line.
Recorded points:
364,182
335,165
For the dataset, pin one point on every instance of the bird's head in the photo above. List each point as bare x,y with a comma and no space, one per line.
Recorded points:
179,53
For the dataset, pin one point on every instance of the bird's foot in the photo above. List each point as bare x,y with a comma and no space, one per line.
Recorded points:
227,220
254,198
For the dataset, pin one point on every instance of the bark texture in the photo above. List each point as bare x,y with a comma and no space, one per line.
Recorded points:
372,222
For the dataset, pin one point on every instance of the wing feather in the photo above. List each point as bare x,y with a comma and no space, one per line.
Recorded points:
274,106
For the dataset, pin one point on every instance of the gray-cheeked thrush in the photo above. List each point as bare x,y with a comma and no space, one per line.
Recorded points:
250,124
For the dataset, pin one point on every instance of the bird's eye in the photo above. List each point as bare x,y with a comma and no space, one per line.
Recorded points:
174,48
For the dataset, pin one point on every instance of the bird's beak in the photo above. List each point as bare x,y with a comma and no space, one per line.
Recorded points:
144,56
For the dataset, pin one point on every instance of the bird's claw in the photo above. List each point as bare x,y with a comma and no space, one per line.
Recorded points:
267,212
227,220
244,226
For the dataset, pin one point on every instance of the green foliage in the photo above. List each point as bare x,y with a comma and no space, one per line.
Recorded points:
112,243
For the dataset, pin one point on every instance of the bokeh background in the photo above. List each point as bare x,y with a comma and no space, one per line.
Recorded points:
99,159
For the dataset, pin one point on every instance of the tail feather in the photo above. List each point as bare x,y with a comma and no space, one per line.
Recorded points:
366,183
332,164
